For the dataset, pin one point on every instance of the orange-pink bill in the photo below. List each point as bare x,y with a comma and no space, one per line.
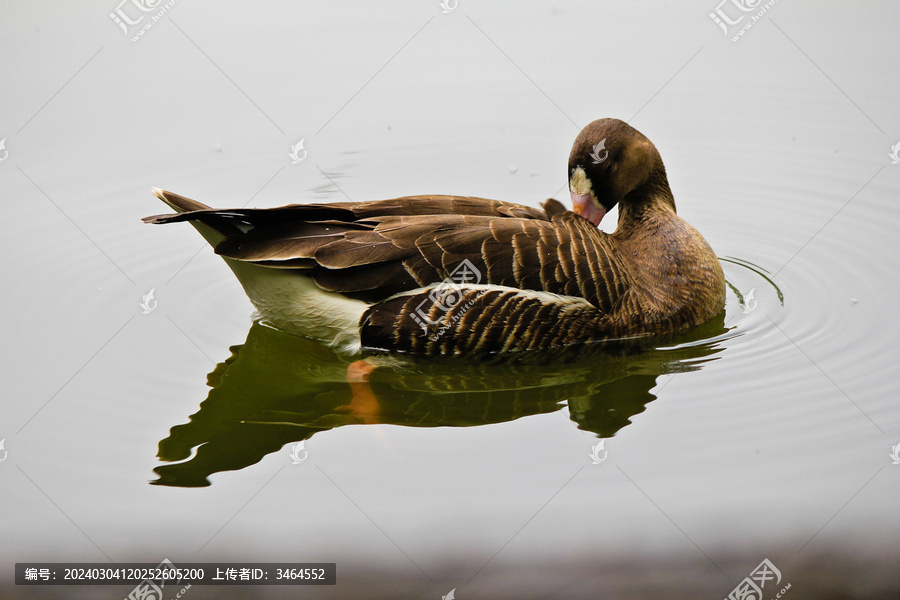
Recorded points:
583,205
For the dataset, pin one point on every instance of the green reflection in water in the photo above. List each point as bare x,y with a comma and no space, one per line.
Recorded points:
277,388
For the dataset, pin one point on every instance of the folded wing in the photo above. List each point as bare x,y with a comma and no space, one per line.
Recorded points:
374,250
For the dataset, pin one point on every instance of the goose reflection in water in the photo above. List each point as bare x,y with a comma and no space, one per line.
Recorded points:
277,389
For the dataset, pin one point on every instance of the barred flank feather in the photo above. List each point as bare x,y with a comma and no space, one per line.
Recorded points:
477,320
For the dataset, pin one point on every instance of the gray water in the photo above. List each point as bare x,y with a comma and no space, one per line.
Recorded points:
766,434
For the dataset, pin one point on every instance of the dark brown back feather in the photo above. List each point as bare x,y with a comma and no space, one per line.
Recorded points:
373,250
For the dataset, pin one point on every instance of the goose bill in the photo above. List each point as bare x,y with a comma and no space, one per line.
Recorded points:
583,205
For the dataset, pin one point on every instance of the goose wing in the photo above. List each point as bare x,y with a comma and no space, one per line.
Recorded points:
374,250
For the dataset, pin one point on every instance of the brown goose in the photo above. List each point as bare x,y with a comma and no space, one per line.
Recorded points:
463,275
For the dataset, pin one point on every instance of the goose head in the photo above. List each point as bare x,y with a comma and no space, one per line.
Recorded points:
613,163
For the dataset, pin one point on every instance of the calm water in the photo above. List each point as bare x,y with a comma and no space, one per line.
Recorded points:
765,434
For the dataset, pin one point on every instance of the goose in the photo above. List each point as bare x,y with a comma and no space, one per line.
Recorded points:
459,275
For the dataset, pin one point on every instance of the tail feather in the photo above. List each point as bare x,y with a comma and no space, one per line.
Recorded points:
178,203
285,297
212,227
